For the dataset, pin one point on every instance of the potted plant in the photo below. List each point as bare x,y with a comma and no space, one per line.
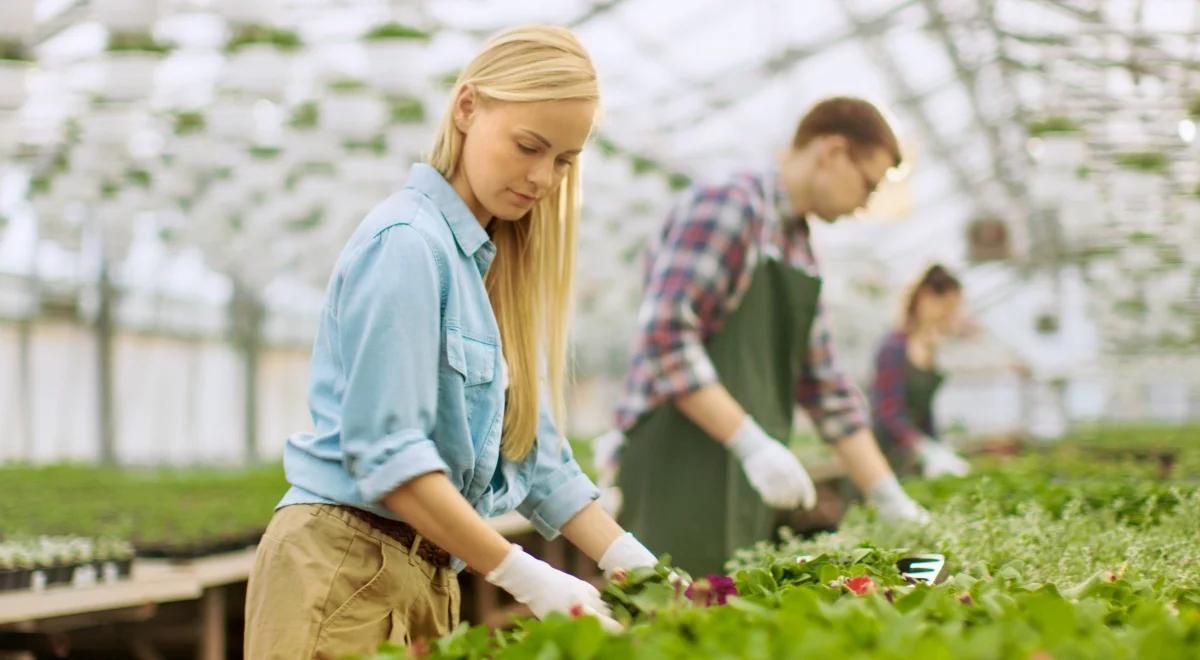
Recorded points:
18,18
240,12
396,56
15,64
113,559
8,568
231,117
1138,188
260,60
125,14
189,146
350,110
407,131
306,142
368,162
110,125
130,62
1063,147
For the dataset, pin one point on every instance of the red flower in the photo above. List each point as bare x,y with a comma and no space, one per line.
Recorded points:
861,585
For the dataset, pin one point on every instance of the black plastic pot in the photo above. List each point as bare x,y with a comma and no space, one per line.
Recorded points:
15,579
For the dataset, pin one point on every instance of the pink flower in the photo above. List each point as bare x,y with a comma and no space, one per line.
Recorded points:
712,590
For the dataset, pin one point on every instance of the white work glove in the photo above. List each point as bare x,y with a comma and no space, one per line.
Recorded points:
545,589
939,460
773,469
893,504
625,554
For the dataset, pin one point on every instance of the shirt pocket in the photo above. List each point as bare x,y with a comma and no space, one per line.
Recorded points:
474,359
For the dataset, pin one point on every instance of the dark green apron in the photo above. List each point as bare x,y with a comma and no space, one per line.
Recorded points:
683,493
920,387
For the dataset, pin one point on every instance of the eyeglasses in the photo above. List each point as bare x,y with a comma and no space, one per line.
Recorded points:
868,185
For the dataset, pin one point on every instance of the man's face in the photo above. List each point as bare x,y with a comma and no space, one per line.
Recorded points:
846,178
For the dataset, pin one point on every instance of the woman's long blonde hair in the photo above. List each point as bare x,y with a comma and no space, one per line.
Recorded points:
531,279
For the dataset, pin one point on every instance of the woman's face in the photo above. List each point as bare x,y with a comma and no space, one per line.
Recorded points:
514,154
938,311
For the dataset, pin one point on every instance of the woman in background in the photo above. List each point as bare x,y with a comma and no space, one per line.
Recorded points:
907,380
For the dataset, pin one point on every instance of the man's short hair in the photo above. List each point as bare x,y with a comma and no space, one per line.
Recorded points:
854,119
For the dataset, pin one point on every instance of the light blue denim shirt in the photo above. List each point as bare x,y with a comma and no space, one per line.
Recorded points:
408,376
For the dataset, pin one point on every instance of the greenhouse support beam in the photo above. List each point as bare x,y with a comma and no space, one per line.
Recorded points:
739,83
104,367
1000,158
246,318
902,91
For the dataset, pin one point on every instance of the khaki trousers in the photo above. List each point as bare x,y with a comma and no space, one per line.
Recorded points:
326,584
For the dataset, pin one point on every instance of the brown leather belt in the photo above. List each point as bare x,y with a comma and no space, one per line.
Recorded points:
406,535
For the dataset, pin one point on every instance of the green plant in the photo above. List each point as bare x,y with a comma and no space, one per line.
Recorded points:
448,79
643,165
1143,161
138,177
389,31
40,185
305,115
247,35
1054,125
264,152
679,181
136,42
376,145
1056,553
407,110
1046,324
1194,108
189,123
1133,307
347,85
308,222
12,50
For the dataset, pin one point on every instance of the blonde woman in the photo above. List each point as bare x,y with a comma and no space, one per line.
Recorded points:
446,304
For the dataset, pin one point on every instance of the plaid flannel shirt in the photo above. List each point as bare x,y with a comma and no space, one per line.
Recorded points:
696,275
888,403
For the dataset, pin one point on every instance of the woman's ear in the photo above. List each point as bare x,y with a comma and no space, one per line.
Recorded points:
465,106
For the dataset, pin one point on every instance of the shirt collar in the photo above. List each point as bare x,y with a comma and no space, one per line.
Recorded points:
782,204
468,233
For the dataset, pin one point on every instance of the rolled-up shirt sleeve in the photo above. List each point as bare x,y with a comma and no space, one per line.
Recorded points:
559,489
389,326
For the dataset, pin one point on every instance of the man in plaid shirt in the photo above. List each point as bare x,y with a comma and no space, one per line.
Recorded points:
733,261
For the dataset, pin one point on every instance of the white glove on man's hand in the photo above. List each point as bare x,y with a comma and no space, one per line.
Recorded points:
773,469
893,504
546,589
624,554
938,460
